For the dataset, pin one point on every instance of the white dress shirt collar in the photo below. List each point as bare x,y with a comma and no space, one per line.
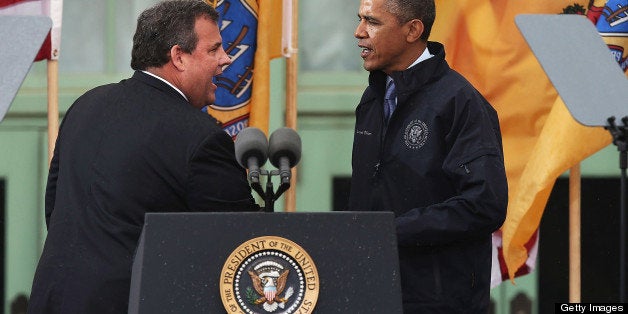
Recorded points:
163,80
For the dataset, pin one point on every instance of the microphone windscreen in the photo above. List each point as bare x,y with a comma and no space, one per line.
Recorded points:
251,142
284,142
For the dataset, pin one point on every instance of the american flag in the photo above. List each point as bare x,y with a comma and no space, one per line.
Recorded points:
51,8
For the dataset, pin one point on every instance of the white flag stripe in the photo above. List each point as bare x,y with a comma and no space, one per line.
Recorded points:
286,29
56,13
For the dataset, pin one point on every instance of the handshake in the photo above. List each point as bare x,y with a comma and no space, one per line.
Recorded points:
252,150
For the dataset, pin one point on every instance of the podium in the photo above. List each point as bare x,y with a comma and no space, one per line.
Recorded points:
326,262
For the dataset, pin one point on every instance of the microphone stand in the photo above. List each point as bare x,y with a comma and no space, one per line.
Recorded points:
270,196
620,139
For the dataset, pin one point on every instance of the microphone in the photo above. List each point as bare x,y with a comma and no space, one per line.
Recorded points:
251,147
285,151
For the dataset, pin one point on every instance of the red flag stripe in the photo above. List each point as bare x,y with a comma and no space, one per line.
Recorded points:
6,3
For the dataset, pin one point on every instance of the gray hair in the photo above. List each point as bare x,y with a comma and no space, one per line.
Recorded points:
164,25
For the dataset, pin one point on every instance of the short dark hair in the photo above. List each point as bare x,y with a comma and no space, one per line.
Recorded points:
164,25
406,10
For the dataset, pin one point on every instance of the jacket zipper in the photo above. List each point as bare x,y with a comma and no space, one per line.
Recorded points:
378,165
465,168
376,172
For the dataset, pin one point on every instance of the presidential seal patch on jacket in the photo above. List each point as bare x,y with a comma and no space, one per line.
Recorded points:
415,134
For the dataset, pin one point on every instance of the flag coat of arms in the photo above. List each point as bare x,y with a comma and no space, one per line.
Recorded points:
253,33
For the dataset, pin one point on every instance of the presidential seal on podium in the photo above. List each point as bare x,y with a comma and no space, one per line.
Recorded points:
269,275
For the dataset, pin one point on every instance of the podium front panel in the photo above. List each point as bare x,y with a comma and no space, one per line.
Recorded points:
180,257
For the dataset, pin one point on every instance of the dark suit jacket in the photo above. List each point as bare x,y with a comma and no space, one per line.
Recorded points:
123,150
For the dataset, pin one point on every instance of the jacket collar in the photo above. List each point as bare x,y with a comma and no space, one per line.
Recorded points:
157,83
414,78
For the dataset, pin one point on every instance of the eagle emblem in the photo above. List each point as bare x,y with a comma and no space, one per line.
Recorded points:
415,134
275,276
269,281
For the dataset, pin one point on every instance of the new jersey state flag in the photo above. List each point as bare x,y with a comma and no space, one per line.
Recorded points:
611,19
541,139
253,33
51,8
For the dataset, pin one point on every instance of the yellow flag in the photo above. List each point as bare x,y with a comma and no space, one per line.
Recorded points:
541,139
269,46
252,36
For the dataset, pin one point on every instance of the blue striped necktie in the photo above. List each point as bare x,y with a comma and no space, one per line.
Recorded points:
390,100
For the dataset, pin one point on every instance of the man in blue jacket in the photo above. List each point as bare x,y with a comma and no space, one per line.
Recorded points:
137,146
427,146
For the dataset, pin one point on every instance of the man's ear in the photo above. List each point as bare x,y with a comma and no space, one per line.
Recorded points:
415,30
176,56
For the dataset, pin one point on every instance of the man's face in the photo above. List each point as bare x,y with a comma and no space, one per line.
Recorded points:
381,37
202,64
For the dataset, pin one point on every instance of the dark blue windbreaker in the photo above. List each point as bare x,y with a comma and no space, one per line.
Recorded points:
439,167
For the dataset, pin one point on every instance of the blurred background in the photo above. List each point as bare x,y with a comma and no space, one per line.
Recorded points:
95,49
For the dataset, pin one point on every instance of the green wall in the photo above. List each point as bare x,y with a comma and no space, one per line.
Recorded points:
326,102
100,53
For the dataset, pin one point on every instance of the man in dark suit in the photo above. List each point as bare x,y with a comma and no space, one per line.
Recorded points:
140,145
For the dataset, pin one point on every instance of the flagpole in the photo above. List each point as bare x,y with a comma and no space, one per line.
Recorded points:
291,98
574,234
53,106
